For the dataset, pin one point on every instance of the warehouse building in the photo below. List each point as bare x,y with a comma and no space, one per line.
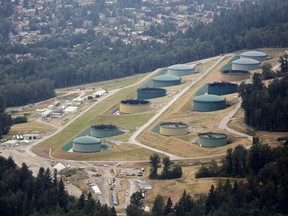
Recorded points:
245,64
86,144
134,106
166,80
181,70
148,93
173,128
212,140
222,88
208,103
256,55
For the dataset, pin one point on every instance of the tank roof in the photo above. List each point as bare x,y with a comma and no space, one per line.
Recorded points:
135,102
173,125
166,77
211,135
246,61
209,98
254,53
86,140
181,67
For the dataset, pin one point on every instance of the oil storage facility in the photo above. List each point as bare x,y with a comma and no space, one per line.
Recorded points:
208,103
134,106
234,75
101,131
256,55
148,93
212,140
166,80
222,88
181,70
86,144
245,64
173,128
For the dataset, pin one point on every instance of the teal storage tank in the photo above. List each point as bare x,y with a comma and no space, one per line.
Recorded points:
212,140
208,103
222,88
101,131
166,80
86,144
148,93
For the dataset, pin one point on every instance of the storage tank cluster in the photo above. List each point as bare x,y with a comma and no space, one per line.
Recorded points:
212,140
208,103
181,70
166,80
222,88
134,106
102,130
86,144
148,93
173,128
234,75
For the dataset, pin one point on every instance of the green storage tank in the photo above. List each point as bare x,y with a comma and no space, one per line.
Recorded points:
86,144
148,93
208,103
166,80
212,140
101,131
222,88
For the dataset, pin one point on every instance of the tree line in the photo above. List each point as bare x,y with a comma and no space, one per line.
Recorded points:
5,119
23,194
263,192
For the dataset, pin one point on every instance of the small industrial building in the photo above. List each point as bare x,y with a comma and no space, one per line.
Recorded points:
46,113
222,88
166,80
31,136
245,64
10,143
148,93
181,70
208,103
256,55
71,109
234,75
86,144
173,128
134,106
212,140
101,131
99,93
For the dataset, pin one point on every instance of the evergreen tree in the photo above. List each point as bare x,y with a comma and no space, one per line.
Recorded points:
158,206
154,165
168,208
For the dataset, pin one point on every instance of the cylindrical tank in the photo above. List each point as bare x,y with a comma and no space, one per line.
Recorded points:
86,144
246,64
256,55
181,70
102,130
166,80
222,88
134,106
147,93
208,103
212,140
234,75
173,128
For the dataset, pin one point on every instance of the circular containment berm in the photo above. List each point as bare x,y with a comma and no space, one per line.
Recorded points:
234,75
222,88
181,70
86,144
211,140
148,93
173,128
134,106
256,55
208,103
245,64
166,80
101,131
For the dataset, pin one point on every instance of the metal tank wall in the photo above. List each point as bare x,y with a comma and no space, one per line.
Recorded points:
148,93
167,129
180,70
105,131
134,108
222,89
212,140
234,76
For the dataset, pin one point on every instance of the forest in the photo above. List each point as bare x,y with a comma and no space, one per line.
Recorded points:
261,187
85,58
23,194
